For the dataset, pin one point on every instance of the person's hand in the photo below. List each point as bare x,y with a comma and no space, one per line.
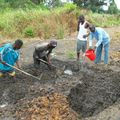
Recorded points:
90,48
49,65
36,57
19,67
49,62
94,48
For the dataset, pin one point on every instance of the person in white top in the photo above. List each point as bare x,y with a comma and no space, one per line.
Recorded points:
83,33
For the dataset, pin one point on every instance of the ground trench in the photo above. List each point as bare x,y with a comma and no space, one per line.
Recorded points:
89,90
96,93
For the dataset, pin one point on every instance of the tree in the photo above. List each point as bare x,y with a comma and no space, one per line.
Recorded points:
113,8
94,5
19,3
53,3
38,1
29,3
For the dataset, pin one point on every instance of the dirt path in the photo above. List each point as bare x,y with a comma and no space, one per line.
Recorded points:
91,93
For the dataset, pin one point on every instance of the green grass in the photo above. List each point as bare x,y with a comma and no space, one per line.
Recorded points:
60,32
103,20
29,31
45,23
71,54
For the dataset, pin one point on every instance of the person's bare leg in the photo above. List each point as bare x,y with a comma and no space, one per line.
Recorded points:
78,56
83,58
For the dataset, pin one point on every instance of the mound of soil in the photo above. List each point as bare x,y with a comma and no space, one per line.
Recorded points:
50,107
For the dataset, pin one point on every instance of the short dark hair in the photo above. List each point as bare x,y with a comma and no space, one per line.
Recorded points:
87,25
81,17
53,43
18,43
91,26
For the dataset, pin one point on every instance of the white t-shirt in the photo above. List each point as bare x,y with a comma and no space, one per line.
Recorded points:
82,31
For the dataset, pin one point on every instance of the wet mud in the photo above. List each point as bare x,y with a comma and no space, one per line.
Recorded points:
96,92
88,91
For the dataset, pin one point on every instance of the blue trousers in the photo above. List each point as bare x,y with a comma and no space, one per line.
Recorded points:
99,53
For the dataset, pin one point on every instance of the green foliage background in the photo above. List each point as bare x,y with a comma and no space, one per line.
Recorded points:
32,18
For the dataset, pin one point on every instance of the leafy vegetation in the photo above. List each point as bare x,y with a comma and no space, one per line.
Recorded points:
29,31
96,5
26,19
71,54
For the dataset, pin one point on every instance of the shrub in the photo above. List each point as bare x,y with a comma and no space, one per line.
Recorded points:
69,7
29,32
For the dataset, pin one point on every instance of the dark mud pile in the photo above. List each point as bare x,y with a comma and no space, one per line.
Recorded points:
87,92
22,85
16,93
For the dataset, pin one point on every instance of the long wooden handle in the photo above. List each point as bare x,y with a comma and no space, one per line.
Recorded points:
50,64
23,71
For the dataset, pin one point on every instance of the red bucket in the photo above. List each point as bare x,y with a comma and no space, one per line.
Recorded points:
90,54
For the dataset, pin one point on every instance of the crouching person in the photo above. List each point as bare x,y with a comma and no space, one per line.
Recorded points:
9,54
42,52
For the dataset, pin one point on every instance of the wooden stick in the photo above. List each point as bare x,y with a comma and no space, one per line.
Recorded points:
23,71
50,64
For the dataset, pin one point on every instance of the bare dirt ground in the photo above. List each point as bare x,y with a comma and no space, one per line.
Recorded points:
90,93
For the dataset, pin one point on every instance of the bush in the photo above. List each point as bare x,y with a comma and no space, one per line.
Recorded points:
70,7
29,32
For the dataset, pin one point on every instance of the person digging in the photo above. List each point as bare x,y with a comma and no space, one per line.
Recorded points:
42,53
9,54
